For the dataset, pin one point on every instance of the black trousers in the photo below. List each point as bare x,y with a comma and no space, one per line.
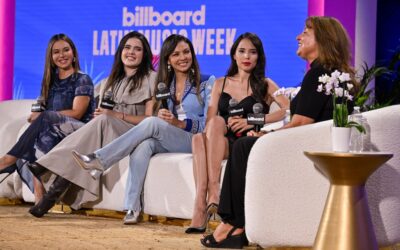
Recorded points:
231,204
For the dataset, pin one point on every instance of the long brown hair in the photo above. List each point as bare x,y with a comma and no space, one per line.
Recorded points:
333,43
257,76
50,68
117,70
164,75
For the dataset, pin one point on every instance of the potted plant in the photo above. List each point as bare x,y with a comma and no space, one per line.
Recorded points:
338,84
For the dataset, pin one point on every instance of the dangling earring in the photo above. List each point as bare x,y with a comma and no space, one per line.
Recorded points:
191,74
74,60
169,68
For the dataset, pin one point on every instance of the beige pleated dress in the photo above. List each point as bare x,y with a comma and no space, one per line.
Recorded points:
95,134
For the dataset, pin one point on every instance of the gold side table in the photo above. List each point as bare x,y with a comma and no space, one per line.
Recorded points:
346,221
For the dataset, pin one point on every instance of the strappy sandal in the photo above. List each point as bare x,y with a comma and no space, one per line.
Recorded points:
231,241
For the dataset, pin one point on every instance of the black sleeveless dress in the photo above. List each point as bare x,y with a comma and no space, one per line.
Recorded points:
247,105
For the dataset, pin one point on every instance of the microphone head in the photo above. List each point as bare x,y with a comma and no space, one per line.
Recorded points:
40,99
233,102
39,106
258,108
161,86
108,95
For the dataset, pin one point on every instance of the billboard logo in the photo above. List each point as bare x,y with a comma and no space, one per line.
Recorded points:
147,16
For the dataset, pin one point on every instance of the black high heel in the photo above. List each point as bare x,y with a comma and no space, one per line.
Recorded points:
212,210
56,190
199,230
231,241
8,170
36,169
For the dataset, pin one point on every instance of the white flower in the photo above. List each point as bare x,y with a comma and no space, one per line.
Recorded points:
344,77
338,85
327,92
350,86
335,74
324,78
328,88
331,84
348,96
339,92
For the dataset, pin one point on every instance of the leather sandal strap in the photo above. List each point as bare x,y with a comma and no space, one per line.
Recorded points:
231,232
210,240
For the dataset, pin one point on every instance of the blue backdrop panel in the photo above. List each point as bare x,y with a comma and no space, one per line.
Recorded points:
96,27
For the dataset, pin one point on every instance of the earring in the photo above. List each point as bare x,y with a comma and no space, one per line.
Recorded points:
192,71
169,68
74,60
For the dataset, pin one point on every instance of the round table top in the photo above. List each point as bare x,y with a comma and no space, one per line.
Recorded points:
348,154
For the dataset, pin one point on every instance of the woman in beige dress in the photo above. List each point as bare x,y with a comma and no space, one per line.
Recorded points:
131,82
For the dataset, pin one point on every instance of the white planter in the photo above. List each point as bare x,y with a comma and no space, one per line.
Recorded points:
340,139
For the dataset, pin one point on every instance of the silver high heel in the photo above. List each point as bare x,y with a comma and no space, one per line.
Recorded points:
89,162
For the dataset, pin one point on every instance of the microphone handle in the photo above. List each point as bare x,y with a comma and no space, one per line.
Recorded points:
164,104
257,128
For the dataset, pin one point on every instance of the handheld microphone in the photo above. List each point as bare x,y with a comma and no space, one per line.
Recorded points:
162,94
257,118
39,106
233,110
107,102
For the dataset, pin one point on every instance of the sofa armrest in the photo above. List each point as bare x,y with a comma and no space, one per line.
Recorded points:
283,190
285,194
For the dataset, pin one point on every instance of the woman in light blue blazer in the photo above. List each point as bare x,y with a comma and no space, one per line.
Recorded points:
171,131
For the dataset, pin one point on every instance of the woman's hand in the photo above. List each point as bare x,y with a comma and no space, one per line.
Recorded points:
238,124
256,134
167,116
33,116
101,111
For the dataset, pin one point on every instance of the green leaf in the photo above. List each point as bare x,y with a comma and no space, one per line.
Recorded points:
356,125
340,115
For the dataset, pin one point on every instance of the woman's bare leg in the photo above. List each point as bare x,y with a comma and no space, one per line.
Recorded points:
217,151
200,179
38,190
6,161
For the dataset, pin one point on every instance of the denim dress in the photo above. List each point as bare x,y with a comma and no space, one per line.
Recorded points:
51,127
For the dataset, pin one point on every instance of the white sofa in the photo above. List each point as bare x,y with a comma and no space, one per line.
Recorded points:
284,197
169,188
285,194
13,116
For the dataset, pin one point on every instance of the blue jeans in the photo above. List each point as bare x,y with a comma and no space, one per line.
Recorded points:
152,135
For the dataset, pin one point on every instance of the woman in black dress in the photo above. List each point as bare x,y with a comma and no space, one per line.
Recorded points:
324,44
245,83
